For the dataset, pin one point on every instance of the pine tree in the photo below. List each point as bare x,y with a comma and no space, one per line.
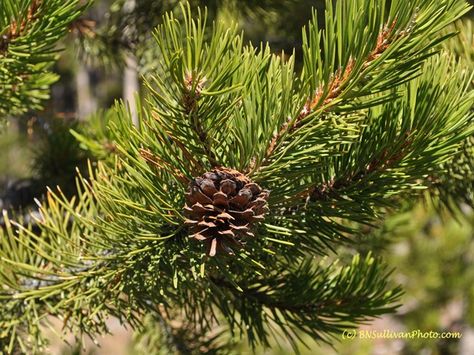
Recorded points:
228,204
29,32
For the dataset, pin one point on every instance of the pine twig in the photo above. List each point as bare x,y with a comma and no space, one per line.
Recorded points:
191,94
155,161
335,87
16,30
379,164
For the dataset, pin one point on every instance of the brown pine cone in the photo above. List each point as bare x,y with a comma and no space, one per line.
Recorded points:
222,206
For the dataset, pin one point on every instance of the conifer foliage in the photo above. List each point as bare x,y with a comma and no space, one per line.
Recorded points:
272,168
29,32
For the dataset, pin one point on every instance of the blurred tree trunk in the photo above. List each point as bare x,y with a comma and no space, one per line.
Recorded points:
131,86
466,346
130,78
86,103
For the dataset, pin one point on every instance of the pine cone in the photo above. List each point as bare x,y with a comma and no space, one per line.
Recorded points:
222,206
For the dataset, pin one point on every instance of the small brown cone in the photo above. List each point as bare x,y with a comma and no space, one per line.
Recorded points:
221,208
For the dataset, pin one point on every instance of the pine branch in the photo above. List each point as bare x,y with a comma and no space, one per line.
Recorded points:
325,95
452,184
31,30
137,234
311,299
379,165
347,83
193,87
16,30
369,179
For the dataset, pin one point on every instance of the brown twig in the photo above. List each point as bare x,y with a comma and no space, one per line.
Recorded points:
269,302
157,162
16,29
191,94
333,89
197,168
384,161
